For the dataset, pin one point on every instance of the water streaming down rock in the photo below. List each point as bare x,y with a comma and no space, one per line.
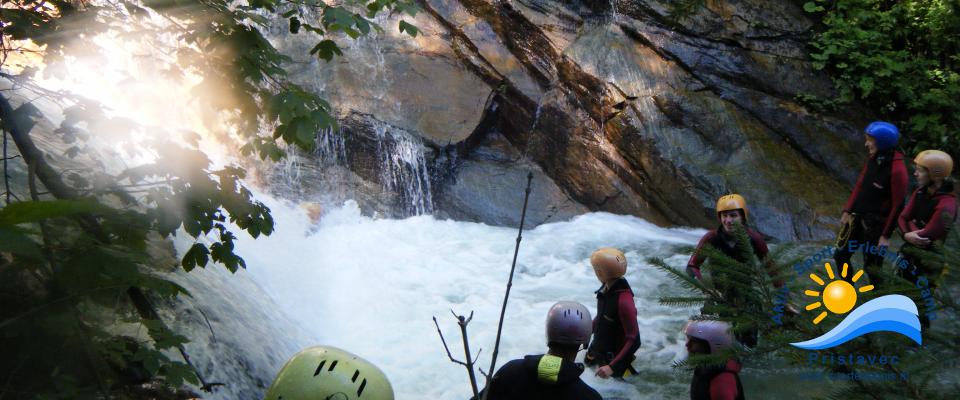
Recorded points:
403,169
331,147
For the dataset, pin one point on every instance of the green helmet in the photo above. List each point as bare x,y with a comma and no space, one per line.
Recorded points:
328,373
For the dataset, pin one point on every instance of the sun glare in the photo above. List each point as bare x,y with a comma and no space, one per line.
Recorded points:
132,79
838,296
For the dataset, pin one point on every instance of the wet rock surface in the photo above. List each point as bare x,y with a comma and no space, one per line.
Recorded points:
624,106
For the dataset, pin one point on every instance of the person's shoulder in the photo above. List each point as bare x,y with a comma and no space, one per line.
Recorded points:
756,236
621,286
512,370
710,234
516,364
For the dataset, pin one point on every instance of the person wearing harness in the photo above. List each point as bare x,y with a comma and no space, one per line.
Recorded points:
733,214
714,382
329,373
554,375
871,210
926,220
616,331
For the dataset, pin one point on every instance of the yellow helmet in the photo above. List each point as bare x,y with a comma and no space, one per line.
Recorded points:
938,163
732,202
326,372
609,262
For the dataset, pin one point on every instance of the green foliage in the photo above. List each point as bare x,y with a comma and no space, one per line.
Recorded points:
75,259
902,59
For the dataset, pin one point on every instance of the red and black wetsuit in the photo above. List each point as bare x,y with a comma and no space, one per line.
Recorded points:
932,216
615,329
875,203
726,243
717,383
720,240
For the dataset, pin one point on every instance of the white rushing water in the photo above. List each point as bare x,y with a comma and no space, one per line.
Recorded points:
371,287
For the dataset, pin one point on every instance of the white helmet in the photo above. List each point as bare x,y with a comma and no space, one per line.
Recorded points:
716,333
569,322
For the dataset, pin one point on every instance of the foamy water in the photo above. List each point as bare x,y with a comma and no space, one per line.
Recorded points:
371,286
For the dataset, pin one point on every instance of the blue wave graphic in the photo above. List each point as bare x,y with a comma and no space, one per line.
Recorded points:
891,313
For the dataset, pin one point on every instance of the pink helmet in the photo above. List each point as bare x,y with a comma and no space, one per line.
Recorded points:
716,333
569,322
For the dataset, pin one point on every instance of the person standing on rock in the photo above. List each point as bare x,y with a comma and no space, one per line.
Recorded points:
555,375
732,213
714,382
616,330
871,211
926,220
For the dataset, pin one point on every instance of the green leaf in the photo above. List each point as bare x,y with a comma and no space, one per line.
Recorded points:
812,7
14,240
362,25
305,133
197,256
326,49
33,211
351,32
177,372
866,85
408,28
294,25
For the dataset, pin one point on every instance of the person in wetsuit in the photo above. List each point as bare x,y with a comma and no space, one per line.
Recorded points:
616,331
555,375
926,220
870,214
713,382
733,214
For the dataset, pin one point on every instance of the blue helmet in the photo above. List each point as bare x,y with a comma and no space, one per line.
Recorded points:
885,133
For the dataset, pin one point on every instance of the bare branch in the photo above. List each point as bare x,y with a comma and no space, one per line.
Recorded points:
445,344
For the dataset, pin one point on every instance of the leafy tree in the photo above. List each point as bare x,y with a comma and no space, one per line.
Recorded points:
87,234
900,58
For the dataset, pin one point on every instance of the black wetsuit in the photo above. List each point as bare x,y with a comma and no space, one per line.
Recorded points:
532,378
615,329
874,203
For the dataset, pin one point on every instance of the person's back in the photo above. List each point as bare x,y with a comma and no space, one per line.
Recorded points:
554,375
544,377
720,382
712,382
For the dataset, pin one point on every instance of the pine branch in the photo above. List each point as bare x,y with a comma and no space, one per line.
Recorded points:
681,277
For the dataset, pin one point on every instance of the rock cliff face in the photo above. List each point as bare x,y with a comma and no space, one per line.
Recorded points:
619,106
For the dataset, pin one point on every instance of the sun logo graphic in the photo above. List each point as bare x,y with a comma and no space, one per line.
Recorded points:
839,296
890,313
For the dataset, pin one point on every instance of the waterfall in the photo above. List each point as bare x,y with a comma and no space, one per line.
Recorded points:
403,169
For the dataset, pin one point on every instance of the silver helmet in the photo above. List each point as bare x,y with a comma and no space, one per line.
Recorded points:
716,333
569,322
